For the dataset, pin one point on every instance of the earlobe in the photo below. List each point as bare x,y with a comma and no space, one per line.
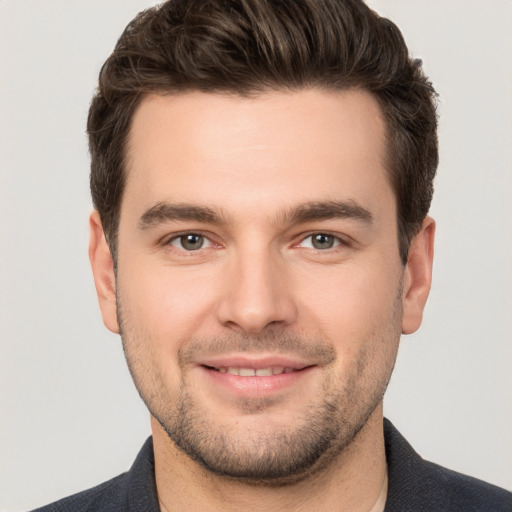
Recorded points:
418,276
103,270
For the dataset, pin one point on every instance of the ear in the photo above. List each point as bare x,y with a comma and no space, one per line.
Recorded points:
103,271
418,276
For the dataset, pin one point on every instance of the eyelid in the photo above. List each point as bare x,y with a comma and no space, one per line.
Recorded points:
340,240
206,243
167,239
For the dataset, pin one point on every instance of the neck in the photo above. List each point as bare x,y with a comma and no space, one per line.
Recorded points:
355,481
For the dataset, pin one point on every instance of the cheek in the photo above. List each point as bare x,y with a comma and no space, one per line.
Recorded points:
167,304
351,298
359,314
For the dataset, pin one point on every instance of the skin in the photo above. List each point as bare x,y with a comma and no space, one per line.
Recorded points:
246,174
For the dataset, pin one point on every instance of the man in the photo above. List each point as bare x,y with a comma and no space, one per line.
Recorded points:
262,173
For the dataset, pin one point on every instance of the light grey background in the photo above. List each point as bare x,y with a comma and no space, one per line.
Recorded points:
70,416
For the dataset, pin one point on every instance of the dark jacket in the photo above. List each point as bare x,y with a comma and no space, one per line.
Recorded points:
415,485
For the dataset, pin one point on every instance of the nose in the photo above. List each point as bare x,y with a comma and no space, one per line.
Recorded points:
256,294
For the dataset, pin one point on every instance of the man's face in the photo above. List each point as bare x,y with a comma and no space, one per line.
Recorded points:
260,293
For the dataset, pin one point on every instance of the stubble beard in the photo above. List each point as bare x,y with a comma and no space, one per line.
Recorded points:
284,454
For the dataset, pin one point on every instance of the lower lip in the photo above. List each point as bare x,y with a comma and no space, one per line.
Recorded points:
256,386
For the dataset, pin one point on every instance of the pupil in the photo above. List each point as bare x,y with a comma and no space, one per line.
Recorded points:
192,242
322,241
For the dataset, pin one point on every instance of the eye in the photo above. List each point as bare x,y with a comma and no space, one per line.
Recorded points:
320,241
190,242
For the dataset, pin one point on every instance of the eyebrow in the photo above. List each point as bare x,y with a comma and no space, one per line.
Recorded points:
306,212
164,212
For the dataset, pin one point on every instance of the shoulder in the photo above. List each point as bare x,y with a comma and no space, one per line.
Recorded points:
105,496
419,485
133,491
464,493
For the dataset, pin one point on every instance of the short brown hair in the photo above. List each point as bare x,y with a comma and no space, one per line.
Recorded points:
250,46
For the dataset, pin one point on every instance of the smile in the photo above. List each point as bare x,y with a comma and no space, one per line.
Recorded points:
252,372
256,378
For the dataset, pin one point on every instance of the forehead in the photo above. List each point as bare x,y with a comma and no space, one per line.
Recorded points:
261,153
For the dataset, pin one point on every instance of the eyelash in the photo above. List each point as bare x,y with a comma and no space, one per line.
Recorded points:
338,241
179,236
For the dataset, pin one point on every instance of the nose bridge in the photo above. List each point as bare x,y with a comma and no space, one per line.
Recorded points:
257,293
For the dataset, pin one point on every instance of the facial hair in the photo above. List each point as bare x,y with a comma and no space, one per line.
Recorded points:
275,454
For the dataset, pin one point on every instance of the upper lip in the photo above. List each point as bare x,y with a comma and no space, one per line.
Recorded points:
255,362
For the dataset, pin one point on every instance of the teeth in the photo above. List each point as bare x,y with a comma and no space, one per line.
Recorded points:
251,372
263,372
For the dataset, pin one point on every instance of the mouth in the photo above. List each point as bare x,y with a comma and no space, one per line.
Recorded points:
254,372
246,377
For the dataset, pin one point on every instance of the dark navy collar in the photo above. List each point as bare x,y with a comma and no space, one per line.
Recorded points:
414,485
